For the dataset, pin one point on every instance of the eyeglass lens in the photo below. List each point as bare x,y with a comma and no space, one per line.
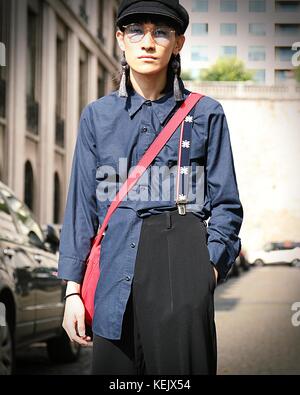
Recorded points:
161,34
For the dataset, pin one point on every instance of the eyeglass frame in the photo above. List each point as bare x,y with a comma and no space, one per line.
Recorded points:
148,30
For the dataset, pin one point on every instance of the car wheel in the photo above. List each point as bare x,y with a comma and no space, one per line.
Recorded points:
259,262
296,263
7,355
62,350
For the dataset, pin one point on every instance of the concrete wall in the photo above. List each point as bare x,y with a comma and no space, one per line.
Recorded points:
265,137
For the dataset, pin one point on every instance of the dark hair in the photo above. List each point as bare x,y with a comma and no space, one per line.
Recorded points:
152,19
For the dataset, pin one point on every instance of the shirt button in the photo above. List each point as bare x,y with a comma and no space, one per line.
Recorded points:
144,130
132,245
127,278
148,103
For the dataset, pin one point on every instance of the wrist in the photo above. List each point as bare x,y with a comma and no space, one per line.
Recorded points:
71,295
72,287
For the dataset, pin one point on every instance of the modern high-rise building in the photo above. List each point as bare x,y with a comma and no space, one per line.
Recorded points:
259,32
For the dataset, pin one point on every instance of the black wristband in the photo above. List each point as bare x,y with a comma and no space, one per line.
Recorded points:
75,293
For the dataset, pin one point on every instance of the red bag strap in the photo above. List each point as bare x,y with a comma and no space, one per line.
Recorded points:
149,156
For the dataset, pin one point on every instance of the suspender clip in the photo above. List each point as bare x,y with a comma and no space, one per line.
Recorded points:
181,204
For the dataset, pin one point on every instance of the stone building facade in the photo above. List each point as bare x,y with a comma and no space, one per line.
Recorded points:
60,55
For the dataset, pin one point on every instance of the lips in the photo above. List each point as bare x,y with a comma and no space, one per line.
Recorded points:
147,57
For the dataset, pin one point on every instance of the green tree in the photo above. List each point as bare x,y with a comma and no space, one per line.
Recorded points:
186,75
227,69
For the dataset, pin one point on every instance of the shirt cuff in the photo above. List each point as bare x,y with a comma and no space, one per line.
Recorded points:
219,258
71,269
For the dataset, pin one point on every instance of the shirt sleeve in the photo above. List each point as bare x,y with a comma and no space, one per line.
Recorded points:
80,218
226,218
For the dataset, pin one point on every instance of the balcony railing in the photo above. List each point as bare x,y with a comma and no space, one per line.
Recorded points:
235,90
32,115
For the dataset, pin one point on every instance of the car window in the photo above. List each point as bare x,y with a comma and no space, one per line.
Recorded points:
268,247
7,226
24,217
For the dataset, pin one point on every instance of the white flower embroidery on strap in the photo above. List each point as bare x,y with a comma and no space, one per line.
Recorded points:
184,170
186,144
189,118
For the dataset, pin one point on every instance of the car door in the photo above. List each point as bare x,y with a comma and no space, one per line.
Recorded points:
17,272
48,288
49,293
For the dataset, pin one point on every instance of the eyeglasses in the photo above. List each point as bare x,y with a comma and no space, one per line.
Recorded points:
136,32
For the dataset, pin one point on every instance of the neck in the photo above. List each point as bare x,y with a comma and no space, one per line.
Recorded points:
148,86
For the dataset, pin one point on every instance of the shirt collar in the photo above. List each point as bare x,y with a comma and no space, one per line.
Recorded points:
162,106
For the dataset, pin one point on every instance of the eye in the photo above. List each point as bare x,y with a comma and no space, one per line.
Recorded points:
135,29
162,32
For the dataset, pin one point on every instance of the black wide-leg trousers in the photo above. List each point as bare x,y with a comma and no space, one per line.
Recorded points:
168,326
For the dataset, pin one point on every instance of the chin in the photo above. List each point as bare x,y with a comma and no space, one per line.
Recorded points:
148,70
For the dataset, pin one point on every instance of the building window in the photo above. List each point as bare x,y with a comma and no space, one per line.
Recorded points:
287,29
228,5
33,55
257,6
228,29
56,205
283,75
257,29
29,186
102,79
259,76
3,151
61,76
228,51
200,6
115,44
284,54
200,52
83,78
199,29
257,53
287,6
4,17
101,21
83,11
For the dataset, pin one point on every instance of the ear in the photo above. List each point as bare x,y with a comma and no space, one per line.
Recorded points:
120,38
179,44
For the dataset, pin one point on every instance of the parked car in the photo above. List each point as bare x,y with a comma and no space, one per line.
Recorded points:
31,295
287,252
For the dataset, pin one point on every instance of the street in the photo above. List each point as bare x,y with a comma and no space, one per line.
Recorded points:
254,326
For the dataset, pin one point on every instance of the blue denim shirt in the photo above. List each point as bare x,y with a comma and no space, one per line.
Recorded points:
114,127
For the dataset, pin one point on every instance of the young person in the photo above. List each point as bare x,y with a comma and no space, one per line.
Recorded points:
154,303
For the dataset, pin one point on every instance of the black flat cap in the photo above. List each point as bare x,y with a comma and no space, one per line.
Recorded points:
166,8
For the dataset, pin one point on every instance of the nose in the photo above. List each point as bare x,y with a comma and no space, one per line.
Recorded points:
148,40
